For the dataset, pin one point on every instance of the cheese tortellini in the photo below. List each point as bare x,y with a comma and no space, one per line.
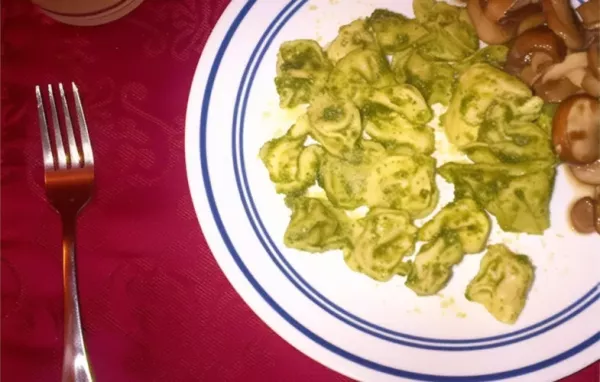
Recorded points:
432,267
460,227
335,124
404,182
384,237
518,195
315,226
355,35
302,72
502,283
292,166
464,217
480,87
356,169
358,73
396,117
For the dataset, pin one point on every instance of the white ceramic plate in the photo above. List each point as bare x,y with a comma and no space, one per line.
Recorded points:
359,327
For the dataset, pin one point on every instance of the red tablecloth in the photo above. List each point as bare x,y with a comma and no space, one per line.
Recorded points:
155,305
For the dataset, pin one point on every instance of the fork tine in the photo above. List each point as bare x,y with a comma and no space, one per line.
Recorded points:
75,159
60,149
46,148
86,145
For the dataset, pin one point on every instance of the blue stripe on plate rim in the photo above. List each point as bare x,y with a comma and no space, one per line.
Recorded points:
285,267
276,307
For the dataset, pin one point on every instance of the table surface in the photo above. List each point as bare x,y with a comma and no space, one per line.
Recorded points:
155,305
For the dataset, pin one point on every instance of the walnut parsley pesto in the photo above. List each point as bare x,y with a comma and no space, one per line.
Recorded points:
365,141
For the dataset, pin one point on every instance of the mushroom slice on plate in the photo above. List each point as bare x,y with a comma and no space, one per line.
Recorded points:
590,14
576,130
582,215
489,31
562,21
588,174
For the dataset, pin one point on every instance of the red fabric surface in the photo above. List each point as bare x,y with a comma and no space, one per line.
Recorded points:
155,305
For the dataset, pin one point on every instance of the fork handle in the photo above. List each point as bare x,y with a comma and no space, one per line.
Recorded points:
76,367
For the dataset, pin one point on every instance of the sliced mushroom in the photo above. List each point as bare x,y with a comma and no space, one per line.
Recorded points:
555,91
532,72
576,130
530,22
489,31
562,21
537,40
582,215
591,83
590,14
588,174
572,62
496,10
592,56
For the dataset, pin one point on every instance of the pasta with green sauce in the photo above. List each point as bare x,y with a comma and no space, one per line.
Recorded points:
365,140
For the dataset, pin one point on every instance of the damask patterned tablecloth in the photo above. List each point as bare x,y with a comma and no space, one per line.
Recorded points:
155,305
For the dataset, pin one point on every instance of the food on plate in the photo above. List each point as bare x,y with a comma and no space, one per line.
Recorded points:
502,283
353,36
555,52
518,195
292,166
461,227
432,267
365,140
396,117
379,243
576,130
463,217
582,215
403,182
357,73
585,213
302,71
315,225
335,124
479,88
588,174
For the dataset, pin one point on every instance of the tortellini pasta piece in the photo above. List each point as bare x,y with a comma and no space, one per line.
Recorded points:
502,283
345,181
360,71
394,31
518,195
292,166
403,182
335,124
439,13
480,87
432,267
355,35
502,139
451,35
403,99
494,55
315,226
435,80
385,237
302,72
399,134
395,116
464,217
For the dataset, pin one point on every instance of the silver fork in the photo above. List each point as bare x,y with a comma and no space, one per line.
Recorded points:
69,179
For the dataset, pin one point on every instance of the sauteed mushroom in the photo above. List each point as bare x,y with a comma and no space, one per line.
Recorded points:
561,20
576,130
